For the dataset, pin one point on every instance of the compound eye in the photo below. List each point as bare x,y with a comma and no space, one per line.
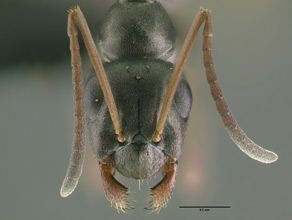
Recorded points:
93,98
183,99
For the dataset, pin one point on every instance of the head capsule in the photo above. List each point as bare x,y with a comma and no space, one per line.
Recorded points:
139,86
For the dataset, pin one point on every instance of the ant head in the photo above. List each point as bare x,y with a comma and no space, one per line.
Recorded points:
139,99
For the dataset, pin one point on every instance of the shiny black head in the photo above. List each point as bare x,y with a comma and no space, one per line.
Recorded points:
138,86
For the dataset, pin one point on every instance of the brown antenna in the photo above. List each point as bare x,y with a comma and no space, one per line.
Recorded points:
236,133
76,18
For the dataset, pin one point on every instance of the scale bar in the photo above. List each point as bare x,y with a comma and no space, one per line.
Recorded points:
205,207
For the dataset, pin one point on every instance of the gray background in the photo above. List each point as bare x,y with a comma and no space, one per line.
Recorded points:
252,53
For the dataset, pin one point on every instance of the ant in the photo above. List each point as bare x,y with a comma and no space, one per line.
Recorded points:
135,107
